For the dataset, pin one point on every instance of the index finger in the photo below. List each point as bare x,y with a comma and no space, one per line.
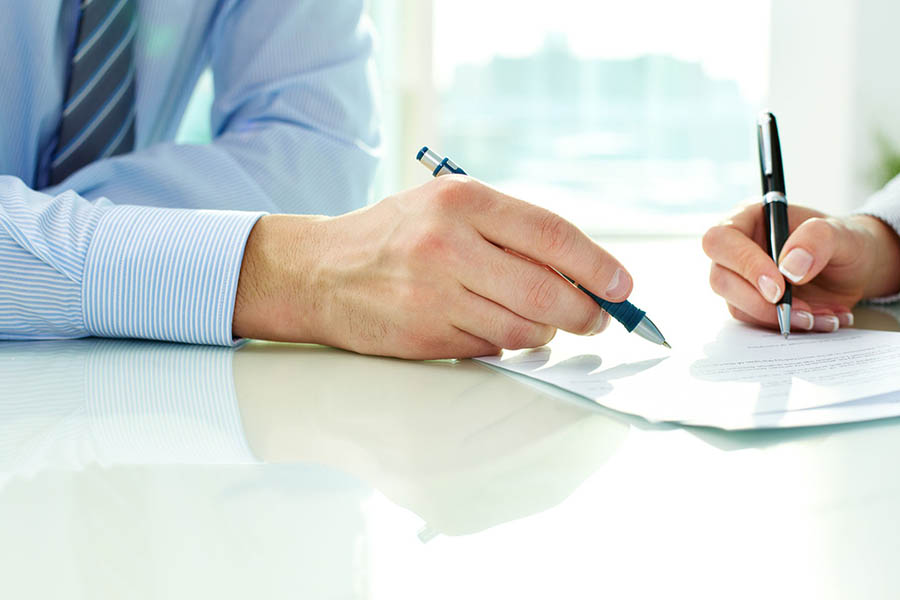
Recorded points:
546,237
730,247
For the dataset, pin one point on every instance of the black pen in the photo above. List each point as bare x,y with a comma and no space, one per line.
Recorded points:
630,316
775,212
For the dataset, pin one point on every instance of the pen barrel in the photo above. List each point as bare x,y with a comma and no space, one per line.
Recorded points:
775,214
786,297
625,312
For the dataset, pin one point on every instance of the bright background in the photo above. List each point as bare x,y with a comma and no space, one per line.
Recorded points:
635,117
621,116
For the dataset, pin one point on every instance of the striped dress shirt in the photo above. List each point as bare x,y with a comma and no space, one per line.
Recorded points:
149,244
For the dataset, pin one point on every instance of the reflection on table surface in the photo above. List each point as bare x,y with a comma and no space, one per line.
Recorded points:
460,446
137,469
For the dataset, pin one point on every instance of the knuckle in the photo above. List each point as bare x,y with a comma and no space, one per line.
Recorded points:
430,241
748,260
542,293
555,236
819,230
499,270
452,193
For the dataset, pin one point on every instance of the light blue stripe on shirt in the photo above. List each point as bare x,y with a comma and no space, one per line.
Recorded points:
116,271
165,274
112,251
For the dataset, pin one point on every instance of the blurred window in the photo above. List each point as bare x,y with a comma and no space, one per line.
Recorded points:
622,116
625,117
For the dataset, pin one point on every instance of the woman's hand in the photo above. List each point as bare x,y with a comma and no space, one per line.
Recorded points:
831,262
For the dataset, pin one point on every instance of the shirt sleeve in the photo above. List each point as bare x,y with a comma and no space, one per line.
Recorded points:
294,124
73,268
885,205
295,131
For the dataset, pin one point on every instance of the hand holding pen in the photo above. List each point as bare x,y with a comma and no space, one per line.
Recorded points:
632,318
423,274
828,263
775,210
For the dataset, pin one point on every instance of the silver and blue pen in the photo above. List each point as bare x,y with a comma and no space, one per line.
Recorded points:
634,319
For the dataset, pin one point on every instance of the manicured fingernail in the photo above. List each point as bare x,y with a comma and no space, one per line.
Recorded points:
618,285
769,289
826,323
796,264
846,319
800,319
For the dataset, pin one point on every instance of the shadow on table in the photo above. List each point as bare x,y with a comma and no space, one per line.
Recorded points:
773,391
584,370
875,317
764,438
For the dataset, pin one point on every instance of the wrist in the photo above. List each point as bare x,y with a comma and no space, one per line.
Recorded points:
275,298
884,251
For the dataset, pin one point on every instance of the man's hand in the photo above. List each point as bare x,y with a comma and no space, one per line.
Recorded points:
832,263
425,274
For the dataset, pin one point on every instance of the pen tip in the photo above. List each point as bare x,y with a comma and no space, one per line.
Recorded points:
666,344
786,334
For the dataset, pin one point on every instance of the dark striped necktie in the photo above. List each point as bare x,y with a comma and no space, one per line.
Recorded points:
98,113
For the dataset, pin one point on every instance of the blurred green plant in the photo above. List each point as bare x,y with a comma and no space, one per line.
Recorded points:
887,165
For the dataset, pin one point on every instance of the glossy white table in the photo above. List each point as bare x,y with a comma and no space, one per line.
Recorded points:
142,470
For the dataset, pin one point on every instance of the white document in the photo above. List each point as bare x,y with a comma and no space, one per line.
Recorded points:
744,378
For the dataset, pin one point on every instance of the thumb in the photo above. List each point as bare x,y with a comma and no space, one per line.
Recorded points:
812,246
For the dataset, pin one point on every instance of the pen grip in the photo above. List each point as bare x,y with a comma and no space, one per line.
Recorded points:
625,312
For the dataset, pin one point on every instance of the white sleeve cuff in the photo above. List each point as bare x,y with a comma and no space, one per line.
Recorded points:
885,206
165,274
